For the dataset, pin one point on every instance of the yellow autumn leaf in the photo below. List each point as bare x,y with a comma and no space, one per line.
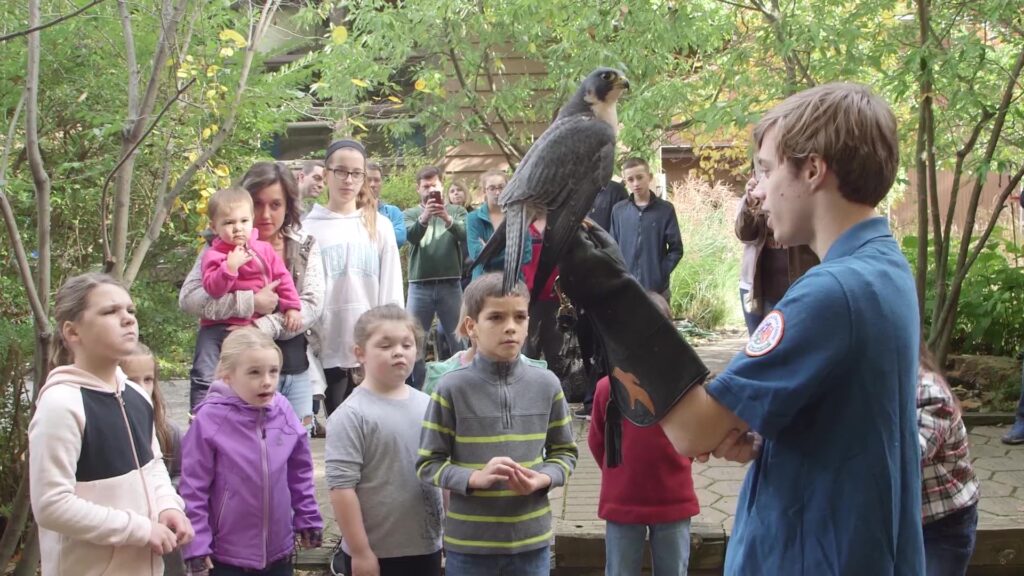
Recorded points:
211,94
181,73
359,124
226,52
221,170
339,35
234,37
421,85
395,99
191,156
360,83
211,70
206,133
207,192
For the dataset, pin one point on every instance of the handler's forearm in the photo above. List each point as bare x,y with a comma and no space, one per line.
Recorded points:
698,423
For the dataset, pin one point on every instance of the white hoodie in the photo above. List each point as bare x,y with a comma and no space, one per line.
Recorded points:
97,476
359,275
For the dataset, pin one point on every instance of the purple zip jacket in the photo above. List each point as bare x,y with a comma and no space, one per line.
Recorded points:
247,480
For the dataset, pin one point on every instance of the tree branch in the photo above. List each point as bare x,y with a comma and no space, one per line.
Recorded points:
948,315
942,264
166,201
108,260
509,151
501,117
40,179
53,22
24,270
741,6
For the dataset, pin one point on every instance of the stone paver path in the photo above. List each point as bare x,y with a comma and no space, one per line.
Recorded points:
1000,468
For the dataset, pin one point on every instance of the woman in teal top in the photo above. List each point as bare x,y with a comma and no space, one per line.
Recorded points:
480,224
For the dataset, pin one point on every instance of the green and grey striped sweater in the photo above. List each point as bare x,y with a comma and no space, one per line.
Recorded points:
490,409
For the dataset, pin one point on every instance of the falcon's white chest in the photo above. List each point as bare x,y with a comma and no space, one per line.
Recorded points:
604,111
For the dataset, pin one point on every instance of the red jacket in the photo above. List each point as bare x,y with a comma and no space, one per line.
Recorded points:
653,483
530,268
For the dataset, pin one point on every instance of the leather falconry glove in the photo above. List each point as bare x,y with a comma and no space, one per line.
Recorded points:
651,364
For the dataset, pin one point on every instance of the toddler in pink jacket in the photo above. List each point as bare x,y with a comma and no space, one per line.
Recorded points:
237,260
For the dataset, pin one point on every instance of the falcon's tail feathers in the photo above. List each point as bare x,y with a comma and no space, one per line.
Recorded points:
492,249
515,230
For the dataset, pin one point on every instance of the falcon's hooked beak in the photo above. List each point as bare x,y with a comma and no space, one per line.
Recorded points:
619,85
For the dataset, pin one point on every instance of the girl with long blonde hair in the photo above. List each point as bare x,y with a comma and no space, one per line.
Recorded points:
361,264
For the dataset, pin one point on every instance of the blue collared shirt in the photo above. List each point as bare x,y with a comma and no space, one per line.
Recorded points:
829,379
394,214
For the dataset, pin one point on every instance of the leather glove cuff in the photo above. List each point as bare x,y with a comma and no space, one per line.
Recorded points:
652,365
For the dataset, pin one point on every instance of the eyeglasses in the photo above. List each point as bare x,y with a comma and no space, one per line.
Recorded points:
497,188
342,174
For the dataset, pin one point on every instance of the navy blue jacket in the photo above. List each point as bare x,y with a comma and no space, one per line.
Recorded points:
649,239
608,197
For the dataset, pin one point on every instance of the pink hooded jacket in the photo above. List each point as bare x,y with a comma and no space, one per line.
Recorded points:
265,267
97,476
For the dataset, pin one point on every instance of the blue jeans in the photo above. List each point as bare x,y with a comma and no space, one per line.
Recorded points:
949,543
624,548
754,317
530,563
299,391
428,298
204,362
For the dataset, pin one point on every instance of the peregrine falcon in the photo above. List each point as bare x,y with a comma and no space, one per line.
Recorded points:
560,175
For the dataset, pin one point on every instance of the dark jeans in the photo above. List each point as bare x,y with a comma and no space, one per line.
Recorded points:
204,362
282,567
1020,403
530,563
173,564
340,382
425,565
753,318
429,298
949,543
543,336
592,350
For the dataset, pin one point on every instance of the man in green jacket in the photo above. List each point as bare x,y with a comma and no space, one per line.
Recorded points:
434,232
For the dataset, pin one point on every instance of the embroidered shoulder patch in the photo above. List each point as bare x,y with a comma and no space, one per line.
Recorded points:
768,334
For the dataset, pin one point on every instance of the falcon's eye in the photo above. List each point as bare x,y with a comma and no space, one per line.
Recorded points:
606,76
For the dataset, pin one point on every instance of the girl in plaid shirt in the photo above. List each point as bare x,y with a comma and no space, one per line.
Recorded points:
949,497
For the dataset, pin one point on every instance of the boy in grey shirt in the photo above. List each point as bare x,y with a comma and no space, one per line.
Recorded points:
498,434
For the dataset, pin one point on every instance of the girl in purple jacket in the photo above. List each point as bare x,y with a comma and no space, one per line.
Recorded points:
247,473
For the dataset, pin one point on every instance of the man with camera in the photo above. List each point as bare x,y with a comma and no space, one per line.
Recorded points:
434,232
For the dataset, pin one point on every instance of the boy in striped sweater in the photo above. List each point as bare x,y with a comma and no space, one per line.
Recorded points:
498,435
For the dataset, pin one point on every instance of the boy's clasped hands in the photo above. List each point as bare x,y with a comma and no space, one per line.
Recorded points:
520,479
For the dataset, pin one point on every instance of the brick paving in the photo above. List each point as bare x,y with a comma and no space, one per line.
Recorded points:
1000,468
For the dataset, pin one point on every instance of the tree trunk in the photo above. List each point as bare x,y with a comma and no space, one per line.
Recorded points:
136,122
40,179
28,565
943,331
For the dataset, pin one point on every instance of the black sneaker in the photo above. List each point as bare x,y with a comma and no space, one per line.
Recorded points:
318,428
